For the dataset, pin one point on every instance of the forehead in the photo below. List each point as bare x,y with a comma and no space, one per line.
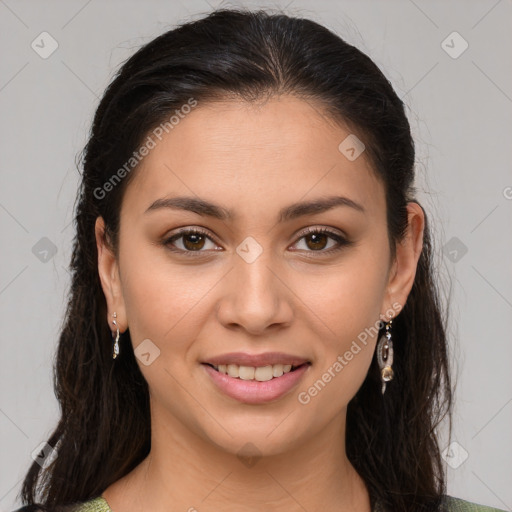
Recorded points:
244,155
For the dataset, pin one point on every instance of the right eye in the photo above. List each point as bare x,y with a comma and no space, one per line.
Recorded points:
191,240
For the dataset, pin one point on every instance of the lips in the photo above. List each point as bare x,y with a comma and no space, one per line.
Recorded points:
255,360
253,391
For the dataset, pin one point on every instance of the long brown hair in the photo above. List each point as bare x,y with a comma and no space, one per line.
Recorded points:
104,428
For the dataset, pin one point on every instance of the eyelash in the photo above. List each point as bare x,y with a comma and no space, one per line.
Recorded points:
342,242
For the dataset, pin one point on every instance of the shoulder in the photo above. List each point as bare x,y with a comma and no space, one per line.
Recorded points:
98,504
452,504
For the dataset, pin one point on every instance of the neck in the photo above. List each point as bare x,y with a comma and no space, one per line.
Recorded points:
185,472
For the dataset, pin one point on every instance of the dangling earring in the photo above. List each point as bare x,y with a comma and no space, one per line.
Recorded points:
116,343
385,357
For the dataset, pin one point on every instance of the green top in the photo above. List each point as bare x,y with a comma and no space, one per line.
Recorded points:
458,505
99,504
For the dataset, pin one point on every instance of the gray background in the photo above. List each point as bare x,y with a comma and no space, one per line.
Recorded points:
459,109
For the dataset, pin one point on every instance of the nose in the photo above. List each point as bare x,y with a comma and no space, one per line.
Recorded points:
255,297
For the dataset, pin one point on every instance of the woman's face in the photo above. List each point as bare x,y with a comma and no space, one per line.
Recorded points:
255,281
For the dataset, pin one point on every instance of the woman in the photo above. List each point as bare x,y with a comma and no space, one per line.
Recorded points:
254,322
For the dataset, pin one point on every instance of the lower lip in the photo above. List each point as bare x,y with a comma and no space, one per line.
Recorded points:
253,391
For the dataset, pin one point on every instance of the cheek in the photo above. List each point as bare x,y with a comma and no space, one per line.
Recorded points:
162,299
346,313
345,299
344,303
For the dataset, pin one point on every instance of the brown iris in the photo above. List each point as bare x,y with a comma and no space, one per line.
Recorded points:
196,238
319,240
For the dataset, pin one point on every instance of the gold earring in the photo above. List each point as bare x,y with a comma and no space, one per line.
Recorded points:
385,357
116,343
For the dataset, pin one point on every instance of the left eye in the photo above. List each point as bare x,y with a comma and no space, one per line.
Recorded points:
194,240
316,239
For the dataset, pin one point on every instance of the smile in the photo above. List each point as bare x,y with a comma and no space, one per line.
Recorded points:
256,385
258,373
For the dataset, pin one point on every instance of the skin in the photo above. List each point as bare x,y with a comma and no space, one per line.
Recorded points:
291,299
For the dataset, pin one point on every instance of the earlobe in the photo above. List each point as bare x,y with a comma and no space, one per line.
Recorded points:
408,252
108,272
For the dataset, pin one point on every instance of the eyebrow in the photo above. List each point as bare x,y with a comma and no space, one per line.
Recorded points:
293,211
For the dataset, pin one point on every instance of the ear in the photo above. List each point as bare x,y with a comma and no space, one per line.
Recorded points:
403,271
108,270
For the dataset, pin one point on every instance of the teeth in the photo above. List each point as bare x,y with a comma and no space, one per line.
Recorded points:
260,373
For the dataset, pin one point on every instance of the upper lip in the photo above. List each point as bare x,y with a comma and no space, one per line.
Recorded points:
245,359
